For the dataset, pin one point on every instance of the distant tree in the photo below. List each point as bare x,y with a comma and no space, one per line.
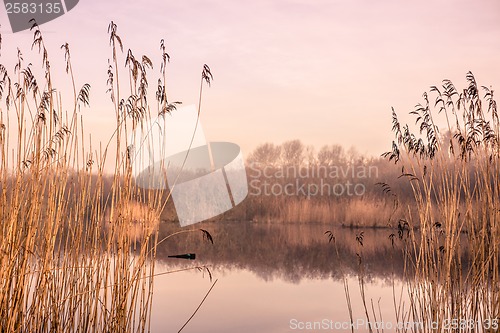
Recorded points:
331,155
310,156
292,152
267,154
354,157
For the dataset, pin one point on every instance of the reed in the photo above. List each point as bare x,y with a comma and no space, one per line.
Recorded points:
455,177
69,256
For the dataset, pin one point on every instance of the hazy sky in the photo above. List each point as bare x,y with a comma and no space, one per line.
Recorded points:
321,71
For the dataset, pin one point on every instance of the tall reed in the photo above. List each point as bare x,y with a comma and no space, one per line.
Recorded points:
455,177
68,261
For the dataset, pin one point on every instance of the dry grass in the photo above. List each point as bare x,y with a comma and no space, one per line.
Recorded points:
69,260
456,184
351,213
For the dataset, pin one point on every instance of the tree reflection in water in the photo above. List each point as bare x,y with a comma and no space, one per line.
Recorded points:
290,251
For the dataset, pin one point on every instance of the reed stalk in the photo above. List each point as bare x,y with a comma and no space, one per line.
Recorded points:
455,178
70,259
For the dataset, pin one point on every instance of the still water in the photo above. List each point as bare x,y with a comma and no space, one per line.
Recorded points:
278,278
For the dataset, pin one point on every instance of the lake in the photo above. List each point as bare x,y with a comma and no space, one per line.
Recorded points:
277,278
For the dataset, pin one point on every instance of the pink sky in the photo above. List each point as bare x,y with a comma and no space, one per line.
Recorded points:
321,71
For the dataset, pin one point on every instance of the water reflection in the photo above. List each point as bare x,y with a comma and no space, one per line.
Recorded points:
272,277
290,252
242,302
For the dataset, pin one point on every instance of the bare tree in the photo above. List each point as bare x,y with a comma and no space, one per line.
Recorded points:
310,155
267,154
331,155
292,152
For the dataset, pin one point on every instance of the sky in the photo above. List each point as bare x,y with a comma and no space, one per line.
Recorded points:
322,71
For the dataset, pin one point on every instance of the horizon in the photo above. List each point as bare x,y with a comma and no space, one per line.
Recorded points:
323,72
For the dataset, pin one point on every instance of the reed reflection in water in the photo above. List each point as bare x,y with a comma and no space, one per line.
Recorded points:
270,274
